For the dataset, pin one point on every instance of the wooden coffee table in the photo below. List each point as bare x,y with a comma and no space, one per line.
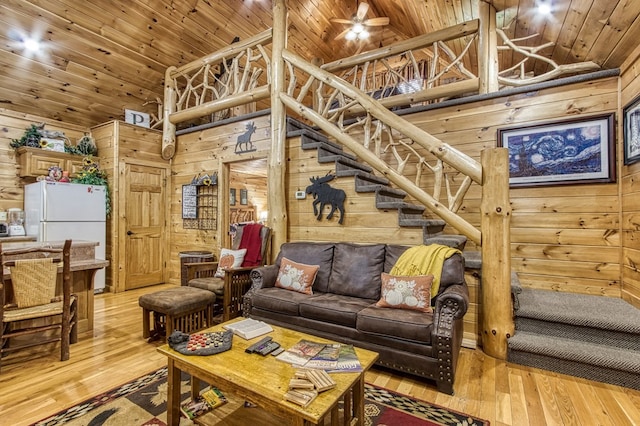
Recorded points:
263,380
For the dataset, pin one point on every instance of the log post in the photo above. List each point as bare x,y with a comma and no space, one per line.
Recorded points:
168,128
487,48
495,210
277,198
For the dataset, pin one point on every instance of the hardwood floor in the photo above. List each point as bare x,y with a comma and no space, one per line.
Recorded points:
36,385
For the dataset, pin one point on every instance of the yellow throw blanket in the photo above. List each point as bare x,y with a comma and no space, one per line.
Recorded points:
424,260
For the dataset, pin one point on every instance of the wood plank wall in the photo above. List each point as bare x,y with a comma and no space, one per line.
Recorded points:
13,126
206,151
630,189
563,238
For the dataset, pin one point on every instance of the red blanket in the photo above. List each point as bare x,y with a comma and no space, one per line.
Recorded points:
253,243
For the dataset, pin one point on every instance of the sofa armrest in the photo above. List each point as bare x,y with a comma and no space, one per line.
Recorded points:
453,302
450,307
262,277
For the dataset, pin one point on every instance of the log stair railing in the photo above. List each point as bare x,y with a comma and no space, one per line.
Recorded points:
365,181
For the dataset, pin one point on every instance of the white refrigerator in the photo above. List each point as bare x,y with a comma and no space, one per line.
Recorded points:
56,211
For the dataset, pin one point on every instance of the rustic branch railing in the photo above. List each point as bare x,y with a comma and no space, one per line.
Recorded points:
225,79
383,131
420,69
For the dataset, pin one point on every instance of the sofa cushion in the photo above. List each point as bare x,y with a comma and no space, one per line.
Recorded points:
333,308
278,300
391,255
356,270
401,292
296,276
320,254
229,259
396,323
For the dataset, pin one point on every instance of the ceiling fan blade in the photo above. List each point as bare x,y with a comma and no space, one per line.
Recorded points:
374,22
341,21
363,8
342,34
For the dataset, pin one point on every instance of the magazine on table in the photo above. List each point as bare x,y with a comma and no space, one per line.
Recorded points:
348,361
326,359
300,353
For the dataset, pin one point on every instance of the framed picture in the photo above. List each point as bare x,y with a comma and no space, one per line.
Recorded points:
243,197
232,197
631,131
580,150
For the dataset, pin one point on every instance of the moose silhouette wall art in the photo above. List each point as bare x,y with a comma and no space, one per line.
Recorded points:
324,194
243,143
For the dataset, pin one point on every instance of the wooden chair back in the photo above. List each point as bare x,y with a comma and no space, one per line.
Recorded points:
31,290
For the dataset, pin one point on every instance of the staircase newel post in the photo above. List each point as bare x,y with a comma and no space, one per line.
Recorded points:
277,159
495,210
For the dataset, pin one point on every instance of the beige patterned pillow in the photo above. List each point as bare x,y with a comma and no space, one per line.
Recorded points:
296,276
400,292
229,259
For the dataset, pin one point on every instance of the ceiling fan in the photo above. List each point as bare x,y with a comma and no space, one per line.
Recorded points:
358,29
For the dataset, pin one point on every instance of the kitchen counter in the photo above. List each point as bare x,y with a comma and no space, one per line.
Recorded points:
84,266
16,239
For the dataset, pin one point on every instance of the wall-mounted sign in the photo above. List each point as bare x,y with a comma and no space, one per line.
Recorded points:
138,118
189,202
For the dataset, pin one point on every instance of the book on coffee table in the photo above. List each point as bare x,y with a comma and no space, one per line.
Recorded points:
249,328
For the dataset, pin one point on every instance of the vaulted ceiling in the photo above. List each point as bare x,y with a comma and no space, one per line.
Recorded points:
103,56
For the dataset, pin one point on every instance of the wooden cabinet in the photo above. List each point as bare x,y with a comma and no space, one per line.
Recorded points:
35,162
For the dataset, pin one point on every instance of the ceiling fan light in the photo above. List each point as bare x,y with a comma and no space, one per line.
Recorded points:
351,35
31,45
544,8
364,34
357,28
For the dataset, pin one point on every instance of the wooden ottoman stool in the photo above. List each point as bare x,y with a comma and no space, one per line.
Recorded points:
187,309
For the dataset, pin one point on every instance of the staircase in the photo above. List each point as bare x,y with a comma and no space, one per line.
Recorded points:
593,337
386,197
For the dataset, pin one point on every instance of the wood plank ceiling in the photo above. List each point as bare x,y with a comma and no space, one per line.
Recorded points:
104,56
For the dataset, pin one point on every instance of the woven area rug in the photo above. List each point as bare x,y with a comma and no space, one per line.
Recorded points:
142,402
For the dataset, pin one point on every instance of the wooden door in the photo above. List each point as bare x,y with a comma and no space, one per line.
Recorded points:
145,225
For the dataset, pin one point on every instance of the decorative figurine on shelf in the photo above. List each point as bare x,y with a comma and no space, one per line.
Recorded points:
65,177
55,173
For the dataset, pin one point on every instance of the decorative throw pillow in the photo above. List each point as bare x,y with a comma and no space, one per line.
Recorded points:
296,276
412,292
229,259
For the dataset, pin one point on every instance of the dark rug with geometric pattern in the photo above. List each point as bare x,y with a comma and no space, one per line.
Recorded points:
142,402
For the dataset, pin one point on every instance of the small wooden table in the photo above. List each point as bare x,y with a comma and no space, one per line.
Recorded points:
263,380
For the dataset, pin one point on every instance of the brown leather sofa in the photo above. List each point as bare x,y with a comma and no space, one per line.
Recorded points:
341,308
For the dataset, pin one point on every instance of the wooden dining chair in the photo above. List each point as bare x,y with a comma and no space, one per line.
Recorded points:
36,306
